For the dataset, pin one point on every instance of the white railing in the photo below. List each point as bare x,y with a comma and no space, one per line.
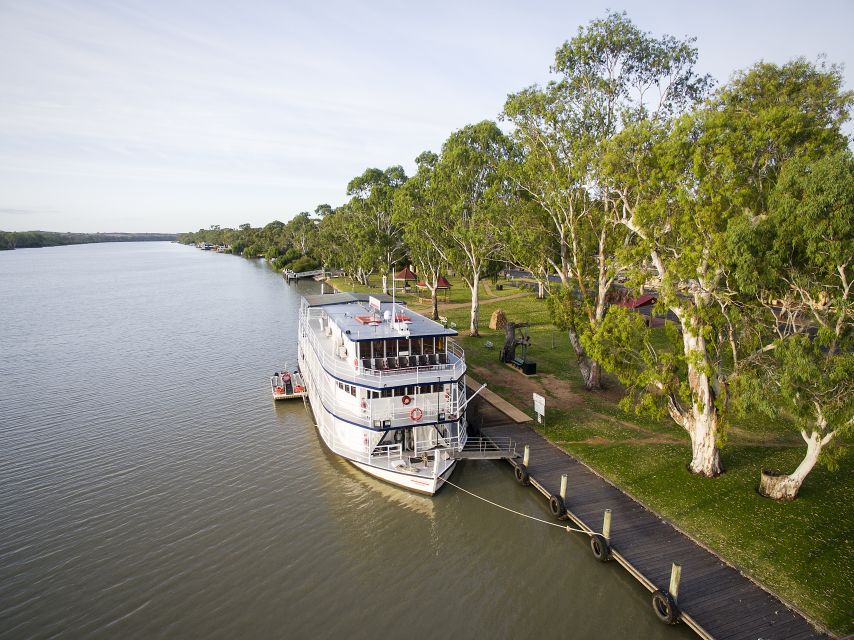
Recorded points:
387,451
391,410
442,442
352,370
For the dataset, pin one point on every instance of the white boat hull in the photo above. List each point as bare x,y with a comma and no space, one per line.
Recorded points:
412,482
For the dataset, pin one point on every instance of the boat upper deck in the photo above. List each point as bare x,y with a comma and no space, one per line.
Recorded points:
385,345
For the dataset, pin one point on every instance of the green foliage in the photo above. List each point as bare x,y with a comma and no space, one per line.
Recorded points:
303,263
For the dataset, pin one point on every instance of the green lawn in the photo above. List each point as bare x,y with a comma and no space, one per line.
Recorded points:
801,550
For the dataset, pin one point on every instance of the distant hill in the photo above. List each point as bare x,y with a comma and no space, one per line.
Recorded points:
35,239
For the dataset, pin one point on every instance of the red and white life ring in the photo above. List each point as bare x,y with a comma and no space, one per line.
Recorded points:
363,404
406,400
356,364
447,395
416,414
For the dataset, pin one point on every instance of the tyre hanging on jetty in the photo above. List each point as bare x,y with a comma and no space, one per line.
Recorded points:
665,607
600,547
557,506
520,472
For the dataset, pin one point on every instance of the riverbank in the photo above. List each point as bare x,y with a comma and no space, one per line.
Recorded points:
38,239
800,550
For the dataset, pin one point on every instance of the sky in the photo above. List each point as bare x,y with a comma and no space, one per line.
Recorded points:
170,116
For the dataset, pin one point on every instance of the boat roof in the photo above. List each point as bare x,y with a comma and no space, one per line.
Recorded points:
349,310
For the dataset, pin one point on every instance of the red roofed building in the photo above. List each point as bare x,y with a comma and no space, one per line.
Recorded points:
637,303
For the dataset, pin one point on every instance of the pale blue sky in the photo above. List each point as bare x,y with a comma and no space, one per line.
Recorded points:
170,116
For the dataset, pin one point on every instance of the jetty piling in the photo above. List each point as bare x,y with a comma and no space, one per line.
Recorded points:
675,578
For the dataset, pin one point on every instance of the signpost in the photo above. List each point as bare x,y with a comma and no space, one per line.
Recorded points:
540,407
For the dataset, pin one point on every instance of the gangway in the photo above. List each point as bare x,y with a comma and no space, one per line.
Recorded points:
487,449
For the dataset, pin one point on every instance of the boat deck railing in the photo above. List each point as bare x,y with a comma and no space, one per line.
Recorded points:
450,364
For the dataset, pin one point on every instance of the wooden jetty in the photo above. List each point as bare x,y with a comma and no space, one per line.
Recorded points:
712,598
289,275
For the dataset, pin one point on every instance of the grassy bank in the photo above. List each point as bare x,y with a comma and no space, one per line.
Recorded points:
802,550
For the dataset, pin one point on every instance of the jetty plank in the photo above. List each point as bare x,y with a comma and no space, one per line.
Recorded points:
715,599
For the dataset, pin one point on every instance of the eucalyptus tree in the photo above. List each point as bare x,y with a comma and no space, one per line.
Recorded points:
418,214
609,75
798,262
340,244
472,199
372,200
681,188
301,232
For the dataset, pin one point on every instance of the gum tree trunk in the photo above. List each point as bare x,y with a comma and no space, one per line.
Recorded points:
591,371
701,419
785,488
475,285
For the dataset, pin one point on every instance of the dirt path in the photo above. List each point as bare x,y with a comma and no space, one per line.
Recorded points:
466,305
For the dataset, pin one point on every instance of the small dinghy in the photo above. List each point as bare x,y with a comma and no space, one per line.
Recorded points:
286,385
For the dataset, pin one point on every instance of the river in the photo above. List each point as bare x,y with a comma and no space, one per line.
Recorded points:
149,486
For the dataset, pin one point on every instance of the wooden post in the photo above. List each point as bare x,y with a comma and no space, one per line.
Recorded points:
527,456
563,480
606,525
675,577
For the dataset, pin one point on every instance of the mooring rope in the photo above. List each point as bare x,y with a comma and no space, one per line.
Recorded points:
518,513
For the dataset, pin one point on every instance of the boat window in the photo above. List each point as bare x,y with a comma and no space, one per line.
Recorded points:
426,388
428,346
403,346
386,393
390,348
440,345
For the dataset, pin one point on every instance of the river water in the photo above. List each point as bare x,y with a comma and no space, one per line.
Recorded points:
149,486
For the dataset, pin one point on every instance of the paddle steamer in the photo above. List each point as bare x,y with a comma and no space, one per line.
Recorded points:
386,386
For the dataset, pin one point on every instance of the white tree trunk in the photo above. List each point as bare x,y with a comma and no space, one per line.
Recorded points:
385,283
701,419
785,488
475,285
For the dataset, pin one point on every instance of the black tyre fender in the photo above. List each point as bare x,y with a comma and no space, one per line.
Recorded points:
521,474
600,547
665,607
556,506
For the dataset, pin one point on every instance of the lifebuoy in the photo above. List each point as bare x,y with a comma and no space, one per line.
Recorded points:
521,474
406,400
280,389
556,506
665,607
356,363
364,404
416,414
447,395
600,547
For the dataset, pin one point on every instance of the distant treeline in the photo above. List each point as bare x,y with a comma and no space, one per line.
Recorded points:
34,239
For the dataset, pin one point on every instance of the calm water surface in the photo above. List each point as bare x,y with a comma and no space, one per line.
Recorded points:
149,486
